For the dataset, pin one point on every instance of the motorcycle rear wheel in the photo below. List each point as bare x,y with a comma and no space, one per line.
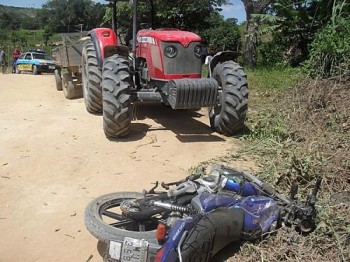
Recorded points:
104,220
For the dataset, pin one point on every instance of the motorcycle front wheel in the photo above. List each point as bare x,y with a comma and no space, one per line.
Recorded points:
104,219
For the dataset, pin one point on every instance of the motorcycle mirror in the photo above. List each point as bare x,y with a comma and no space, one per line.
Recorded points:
294,190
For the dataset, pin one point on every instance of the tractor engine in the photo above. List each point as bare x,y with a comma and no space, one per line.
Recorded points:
169,60
169,54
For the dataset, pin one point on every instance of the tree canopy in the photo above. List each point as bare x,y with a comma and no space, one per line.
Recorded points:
277,31
71,15
199,16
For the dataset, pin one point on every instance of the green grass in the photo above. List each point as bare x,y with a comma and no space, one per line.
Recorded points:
292,139
273,78
266,122
26,39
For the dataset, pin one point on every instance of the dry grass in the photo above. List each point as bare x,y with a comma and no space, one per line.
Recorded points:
298,135
312,140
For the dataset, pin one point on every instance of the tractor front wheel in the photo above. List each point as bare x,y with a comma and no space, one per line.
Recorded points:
91,78
116,95
227,117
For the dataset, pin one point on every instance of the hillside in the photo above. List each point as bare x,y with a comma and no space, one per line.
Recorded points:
15,18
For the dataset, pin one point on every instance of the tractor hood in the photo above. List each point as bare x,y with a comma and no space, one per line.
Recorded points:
169,35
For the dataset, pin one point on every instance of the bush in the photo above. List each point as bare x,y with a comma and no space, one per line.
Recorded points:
330,51
225,36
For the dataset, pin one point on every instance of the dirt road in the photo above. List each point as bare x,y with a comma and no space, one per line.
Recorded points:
55,158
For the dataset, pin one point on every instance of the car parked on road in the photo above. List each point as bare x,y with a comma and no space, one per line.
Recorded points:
35,61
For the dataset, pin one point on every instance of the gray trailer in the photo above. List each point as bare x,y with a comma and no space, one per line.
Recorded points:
68,56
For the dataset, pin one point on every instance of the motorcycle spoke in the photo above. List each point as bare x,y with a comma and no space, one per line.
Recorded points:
122,223
115,216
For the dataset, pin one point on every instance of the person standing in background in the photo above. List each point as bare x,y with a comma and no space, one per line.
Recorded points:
3,60
15,54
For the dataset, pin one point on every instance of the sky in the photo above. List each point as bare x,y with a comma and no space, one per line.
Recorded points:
235,10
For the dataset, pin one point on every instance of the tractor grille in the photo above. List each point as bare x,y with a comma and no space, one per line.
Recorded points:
185,61
192,93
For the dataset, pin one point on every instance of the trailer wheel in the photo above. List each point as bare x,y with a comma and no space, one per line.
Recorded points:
58,79
68,86
116,93
91,79
228,116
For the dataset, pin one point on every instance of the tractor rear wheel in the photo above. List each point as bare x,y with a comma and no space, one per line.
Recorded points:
228,116
91,79
116,94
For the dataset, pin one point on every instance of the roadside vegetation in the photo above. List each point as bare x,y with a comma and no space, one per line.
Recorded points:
298,129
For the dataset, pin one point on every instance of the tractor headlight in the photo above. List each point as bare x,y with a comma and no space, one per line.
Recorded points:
170,51
198,51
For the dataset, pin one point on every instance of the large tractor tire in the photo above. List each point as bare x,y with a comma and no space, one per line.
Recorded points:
91,79
68,86
228,116
116,93
58,79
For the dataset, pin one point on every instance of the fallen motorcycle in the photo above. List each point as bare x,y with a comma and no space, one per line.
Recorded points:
194,218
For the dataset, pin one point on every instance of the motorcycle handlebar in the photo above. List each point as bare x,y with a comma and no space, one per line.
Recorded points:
193,177
188,178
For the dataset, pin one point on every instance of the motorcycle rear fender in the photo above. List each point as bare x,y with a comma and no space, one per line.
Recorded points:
222,57
102,38
213,232
228,223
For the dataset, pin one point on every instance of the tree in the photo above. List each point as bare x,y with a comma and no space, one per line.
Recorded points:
14,38
224,36
252,7
66,16
183,15
47,34
330,50
169,13
9,19
292,26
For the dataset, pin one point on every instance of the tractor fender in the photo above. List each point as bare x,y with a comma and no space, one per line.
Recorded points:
101,38
221,57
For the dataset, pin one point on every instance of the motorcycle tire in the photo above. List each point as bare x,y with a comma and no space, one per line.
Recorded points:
104,220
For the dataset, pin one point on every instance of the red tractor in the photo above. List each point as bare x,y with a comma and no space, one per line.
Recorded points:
162,65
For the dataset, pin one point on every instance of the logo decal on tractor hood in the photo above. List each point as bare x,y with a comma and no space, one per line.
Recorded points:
146,39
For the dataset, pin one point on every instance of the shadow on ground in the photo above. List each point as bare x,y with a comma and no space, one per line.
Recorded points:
184,123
